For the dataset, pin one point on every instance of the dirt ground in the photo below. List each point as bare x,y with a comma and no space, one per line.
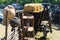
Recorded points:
51,36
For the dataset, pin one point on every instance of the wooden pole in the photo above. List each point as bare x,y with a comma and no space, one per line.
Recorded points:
6,25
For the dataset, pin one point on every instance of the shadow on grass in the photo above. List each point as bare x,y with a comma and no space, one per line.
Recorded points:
42,38
3,38
56,26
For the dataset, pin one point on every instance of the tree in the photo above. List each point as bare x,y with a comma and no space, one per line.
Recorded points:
29,1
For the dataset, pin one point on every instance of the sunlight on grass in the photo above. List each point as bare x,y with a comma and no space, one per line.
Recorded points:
38,35
2,31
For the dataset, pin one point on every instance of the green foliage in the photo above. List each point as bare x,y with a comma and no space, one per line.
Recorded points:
28,1
38,1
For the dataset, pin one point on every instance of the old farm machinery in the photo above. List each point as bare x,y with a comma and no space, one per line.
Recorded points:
33,18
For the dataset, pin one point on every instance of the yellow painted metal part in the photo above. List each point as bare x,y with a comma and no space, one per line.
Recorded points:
33,7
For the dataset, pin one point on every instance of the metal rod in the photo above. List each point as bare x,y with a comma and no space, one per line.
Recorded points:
19,27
